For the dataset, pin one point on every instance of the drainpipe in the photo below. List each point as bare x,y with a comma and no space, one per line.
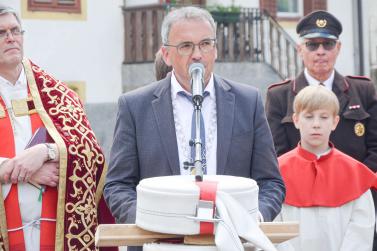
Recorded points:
359,8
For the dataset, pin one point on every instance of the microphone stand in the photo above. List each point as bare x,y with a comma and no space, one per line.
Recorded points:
198,163
196,71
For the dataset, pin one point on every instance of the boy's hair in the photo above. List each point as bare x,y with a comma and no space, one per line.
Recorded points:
313,98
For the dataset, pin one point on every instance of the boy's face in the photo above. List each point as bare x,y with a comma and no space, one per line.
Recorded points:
315,128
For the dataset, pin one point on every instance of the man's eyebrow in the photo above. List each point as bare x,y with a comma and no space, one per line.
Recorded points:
9,28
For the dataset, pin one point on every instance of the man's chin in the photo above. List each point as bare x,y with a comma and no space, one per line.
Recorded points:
15,60
322,71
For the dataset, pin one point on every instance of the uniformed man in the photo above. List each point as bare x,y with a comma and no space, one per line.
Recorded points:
319,47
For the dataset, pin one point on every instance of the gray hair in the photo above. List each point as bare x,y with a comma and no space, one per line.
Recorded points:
8,10
185,13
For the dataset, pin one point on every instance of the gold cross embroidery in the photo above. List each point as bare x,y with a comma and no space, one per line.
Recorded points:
20,107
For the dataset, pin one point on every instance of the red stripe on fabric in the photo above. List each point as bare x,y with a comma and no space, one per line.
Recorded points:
208,191
48,228
13,216
7,149
12,212
36,122
49,203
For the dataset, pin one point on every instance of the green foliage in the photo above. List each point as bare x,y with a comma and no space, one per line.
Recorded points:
224,9
225,14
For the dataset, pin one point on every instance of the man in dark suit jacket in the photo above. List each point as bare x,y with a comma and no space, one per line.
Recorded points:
356,133
148,137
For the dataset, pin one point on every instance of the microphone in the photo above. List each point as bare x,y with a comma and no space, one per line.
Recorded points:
196,71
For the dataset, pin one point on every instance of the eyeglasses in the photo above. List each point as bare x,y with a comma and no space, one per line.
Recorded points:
328,45
16,32
187,48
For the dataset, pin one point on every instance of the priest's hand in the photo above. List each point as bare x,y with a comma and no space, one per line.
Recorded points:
4,170
48,175
23,166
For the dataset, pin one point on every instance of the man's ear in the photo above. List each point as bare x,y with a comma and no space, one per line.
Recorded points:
338,47
295,120
336,121
165,55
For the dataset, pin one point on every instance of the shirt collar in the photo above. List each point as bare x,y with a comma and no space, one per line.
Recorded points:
313,156
20,83
312,81
176,87
326,152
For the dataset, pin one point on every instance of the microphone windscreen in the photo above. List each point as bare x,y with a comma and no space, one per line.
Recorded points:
196,67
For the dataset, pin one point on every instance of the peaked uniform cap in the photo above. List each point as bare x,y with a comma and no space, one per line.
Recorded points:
319,24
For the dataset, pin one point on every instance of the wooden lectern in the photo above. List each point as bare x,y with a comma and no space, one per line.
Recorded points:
130,235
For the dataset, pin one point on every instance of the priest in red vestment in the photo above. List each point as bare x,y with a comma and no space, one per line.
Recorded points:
50,187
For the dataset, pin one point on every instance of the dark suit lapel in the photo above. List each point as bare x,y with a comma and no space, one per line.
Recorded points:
225,102
340,87
299,83
163,111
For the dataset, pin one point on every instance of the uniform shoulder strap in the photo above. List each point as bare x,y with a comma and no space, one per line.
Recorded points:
284,82
358,77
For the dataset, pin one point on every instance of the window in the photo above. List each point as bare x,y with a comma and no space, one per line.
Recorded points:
185,2
289,8
68,6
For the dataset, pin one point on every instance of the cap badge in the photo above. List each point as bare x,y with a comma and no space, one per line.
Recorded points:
359,129
321,23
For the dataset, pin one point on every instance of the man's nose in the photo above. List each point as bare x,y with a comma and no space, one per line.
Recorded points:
196,54
320,49
9,36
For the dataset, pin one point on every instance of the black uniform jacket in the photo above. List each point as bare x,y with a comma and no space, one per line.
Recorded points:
356,133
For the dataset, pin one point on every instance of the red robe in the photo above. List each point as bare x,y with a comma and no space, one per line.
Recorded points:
330,181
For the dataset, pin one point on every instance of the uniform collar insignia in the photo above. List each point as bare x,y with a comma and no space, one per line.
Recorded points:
353,107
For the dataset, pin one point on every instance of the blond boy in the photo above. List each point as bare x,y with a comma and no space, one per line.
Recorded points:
328,192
